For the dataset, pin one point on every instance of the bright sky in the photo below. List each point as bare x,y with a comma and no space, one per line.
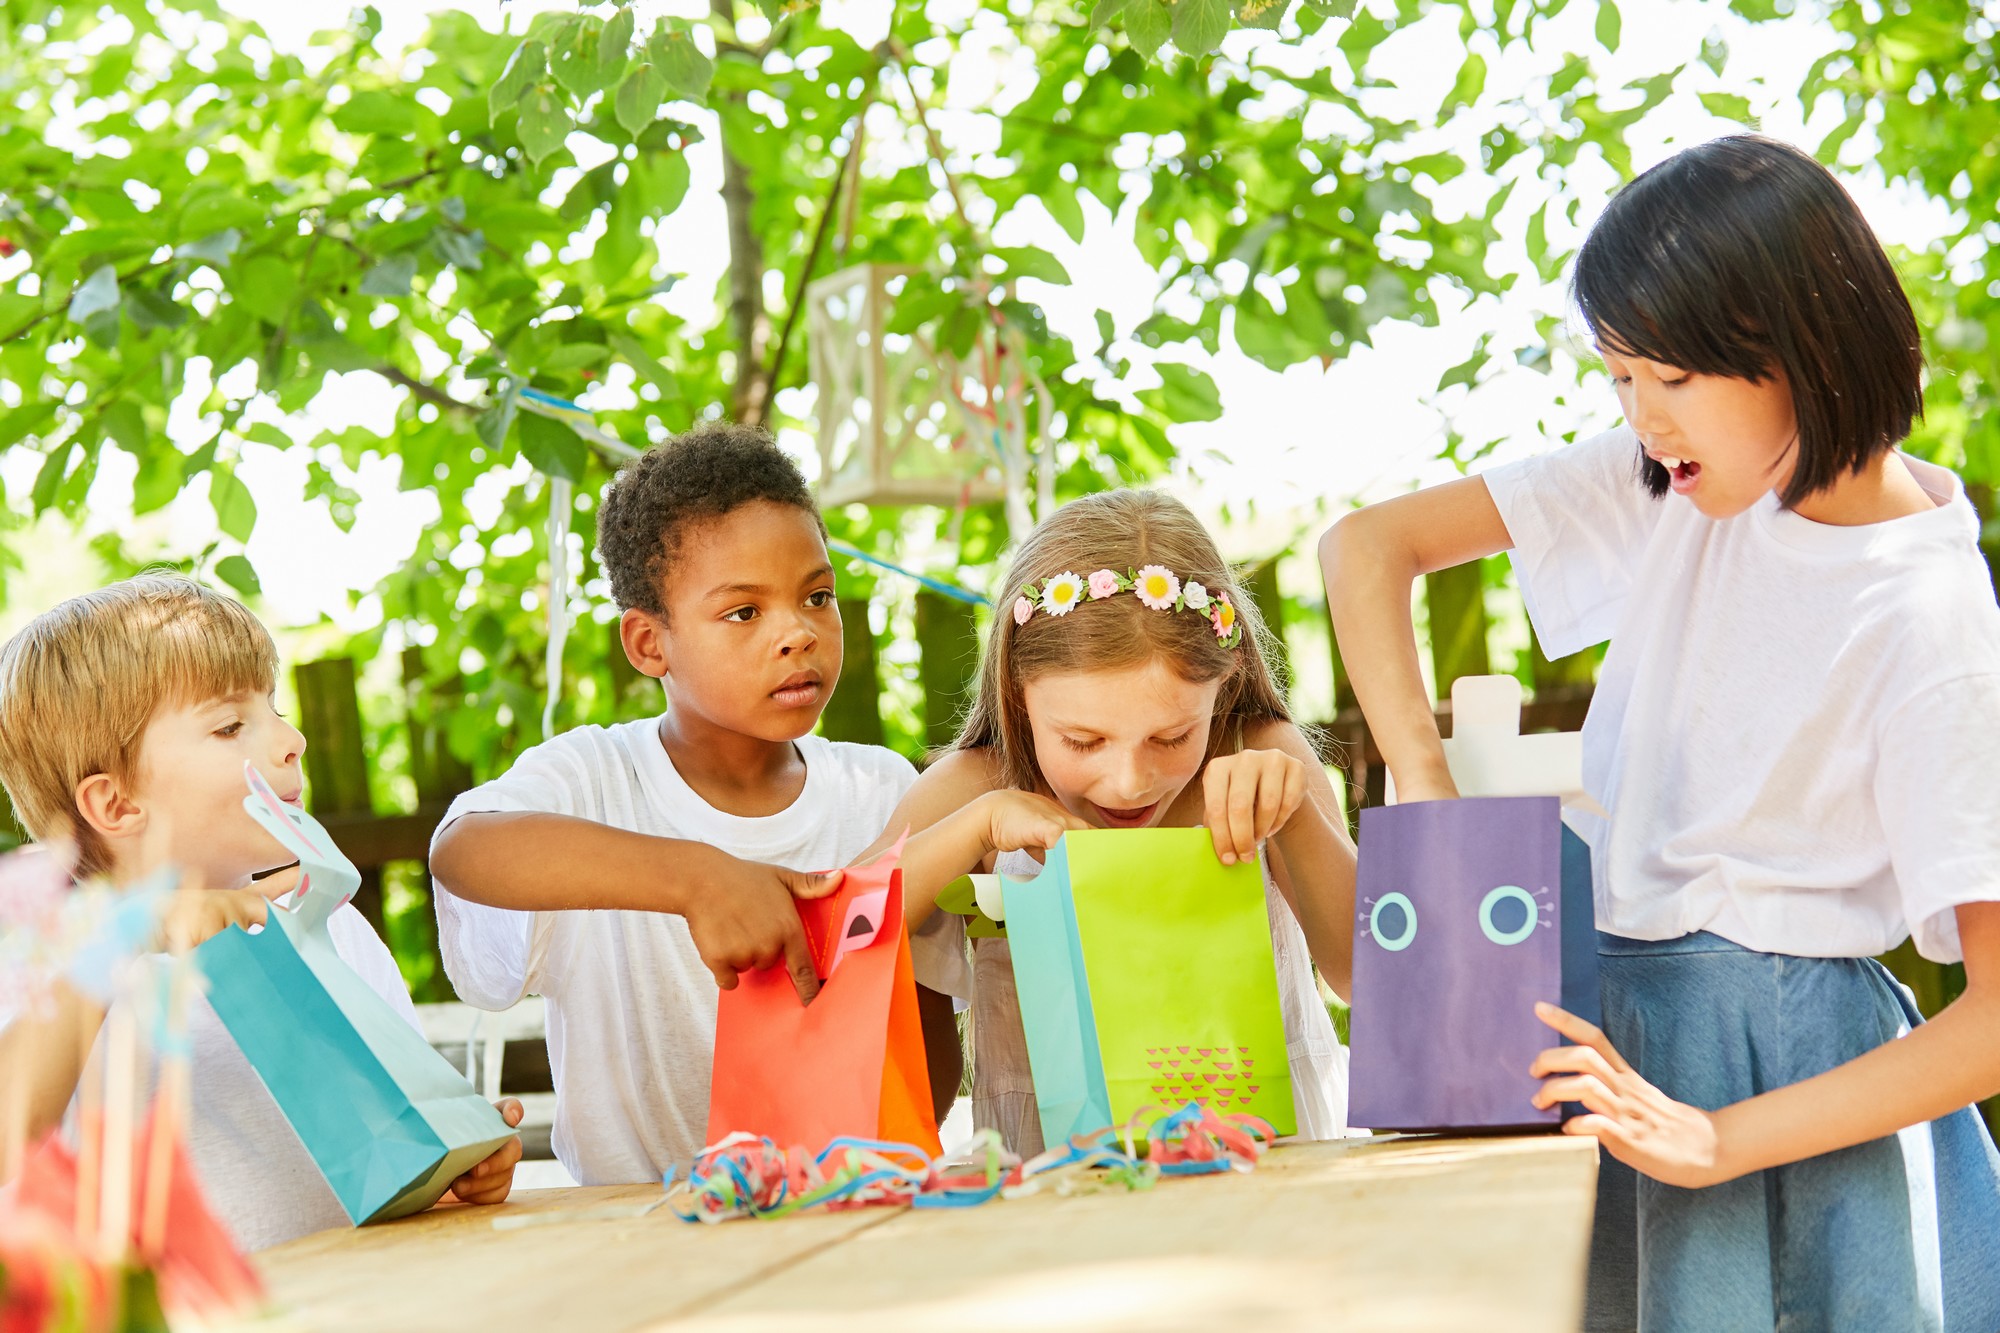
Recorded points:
1289,447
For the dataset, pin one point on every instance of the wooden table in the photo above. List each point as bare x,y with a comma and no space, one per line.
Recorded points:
1404,1233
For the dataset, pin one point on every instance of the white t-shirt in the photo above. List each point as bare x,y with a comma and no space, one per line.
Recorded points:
1795,724
631,1007
256,1174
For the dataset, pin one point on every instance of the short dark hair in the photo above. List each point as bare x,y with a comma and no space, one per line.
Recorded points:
712,470
1744,256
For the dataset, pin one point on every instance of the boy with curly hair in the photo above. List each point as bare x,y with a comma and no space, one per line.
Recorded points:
624,872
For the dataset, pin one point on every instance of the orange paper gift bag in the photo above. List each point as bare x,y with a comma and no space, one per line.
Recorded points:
850,1063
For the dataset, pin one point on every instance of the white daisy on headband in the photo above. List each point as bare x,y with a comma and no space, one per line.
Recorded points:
1061,593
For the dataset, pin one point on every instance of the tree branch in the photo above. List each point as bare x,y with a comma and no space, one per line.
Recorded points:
851,161
747,317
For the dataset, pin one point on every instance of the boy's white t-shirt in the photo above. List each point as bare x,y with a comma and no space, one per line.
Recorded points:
631,1007
255,1172
1795,724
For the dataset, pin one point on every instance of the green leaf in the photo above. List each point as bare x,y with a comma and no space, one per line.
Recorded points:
1607,25
1464,372
391,277
95,295
494,423
1104,11
1268,15
1568,76
1107,329
266,287
573,57
1147,25
614,45
1333,9
460,249
215,249
1063,205
572,356
239,574
209,210
1027,261
235,509
1200,25
646,365
1729,106
375,112
681,63
524,69
125,426
639,98
1185,394
50,478
544,123
1471,82
150,310
553,448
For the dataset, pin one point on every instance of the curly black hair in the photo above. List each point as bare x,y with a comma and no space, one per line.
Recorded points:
712,470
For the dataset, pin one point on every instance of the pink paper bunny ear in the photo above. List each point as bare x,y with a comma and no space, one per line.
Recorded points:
285,815
860,926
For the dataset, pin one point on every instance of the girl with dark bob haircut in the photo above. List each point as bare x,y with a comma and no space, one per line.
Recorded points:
1745,258
1792,735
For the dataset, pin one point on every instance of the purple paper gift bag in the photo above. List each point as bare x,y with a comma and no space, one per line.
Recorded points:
1467,912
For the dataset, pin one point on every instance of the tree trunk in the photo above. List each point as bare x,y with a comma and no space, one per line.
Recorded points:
747,317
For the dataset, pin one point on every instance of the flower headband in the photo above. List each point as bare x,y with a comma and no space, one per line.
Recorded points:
1155,585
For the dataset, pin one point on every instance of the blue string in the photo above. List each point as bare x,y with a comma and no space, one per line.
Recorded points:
951,590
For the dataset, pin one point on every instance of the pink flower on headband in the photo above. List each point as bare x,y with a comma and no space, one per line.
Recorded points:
1023,608
1103,584
1157,586
1223,617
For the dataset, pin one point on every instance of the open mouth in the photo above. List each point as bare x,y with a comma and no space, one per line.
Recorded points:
1125,818
1682,473
798,690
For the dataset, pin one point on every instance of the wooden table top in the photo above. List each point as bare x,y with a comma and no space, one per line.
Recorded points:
1388,1233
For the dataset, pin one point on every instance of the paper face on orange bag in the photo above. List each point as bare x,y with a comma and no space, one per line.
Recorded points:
852,1062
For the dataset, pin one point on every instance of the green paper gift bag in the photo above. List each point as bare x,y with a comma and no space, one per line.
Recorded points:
388,1121
1146,978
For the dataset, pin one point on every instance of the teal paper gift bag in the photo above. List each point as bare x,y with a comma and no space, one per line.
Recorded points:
1146,978
388,1121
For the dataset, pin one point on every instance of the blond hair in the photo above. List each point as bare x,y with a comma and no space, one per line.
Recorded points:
80,683
1120,531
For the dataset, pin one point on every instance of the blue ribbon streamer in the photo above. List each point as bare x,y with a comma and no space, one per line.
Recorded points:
950,590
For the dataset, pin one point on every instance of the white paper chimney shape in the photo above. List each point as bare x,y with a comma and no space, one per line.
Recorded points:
1489,756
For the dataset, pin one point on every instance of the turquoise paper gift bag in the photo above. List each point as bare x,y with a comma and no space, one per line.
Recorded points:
388,1121
1146,978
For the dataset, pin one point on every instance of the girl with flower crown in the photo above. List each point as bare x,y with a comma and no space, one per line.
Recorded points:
1124,685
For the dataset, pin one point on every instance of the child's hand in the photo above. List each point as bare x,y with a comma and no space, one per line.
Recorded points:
490,1181
1249,796
1650,1132
1017,820
194,915
742,920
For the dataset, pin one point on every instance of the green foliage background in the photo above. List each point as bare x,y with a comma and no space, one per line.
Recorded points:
185,193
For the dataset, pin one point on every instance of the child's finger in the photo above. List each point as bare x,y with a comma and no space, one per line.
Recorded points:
1581,1032
1243,817
1572,1060
1585,1088
511,1111
799,963
813,886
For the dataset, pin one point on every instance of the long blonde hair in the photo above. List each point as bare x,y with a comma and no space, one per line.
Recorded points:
1117,530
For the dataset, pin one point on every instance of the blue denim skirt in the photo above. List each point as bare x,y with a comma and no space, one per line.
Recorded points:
1902,1233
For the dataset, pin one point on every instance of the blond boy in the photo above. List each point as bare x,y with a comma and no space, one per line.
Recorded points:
126,716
